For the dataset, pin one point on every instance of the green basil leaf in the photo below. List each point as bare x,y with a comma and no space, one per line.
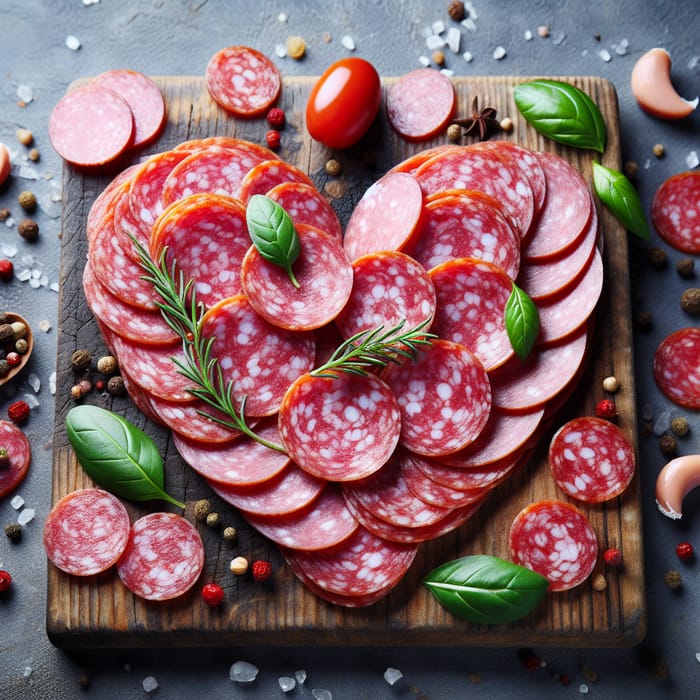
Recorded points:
273,233
118,456
522,322
486,589
562,112
618,195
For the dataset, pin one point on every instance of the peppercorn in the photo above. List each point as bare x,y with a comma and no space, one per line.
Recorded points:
115,386
213,520
454,133
19,329
296,47
4,214
599,582
76,393
456,10
685,267
202,508
333,167
275,117
5,581
690,300
506,124
7,335
18,412
212,594
34,155
21,346
438,58
668,445
27,200
611,384
13,532
80,360
679,426
107,365
262,570
4,459
238,566
612,557
659,669
7,270
273,139
631,168
657,258
28,229
644,320
673,578
685,551
230,533
658,150
606,409
24,136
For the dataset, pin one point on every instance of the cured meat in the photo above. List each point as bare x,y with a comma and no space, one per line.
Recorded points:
677,367
471,301
566,212
363,565
243,462
467,224
243,81
412,163
389,287
19,454
264,176
324,276
386,218
103,201
287,492
555,540
675,211
164,557
420,104
591,459
339,428
91,126
259,359
144,99
207,236
127,228
258,152
559,317
306,205
444,397
325,523
526,385
86,532
486,170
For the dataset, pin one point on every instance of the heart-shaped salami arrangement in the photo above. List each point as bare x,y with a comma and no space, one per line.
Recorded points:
377,462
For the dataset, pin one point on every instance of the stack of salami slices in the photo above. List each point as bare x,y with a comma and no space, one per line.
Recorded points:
373,465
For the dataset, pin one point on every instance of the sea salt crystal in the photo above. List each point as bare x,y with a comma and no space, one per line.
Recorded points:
471,10
31,400
694,62
469,24
622,48
90,2
287,683
28,670
26,516
392,675
697,656
24,275
499,53
438,27
692,160
243,672
426,32
10,222
434,42
322,694
583,689
52,383
45,326
424,61
8,250
72,42
280,50
34,382
453,39
605,55
468,56
282,17
663,423
528,35
28,172
447,72
348,42
25,93
17,502
300,676
149,684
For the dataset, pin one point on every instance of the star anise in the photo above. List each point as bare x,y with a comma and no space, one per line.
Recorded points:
483,121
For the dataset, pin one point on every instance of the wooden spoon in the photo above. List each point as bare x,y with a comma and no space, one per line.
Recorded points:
29,337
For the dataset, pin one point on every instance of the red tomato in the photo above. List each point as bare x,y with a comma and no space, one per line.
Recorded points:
344,103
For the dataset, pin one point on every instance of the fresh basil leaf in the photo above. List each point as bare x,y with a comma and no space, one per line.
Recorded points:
273,234
486,589
618,195
562,112
118,456
522,322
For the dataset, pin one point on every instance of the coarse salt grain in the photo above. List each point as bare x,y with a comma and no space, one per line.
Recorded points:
692,160
434,42
469,24
605,55
26,516
322,694
281,17
348,42
72,42
25,93
300,676
447,72
424,61
499,53
280,50
468,56
243,672
528,35
438,27
17,502
392,675
453,39
287,684
149,684
34,382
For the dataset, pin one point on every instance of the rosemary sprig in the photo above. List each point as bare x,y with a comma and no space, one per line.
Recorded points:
375,348
183,313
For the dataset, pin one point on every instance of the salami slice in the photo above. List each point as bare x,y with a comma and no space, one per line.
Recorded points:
103,202
306,205
264,176
144,99
91,126
259,359
444,397
164,557
467,224
386,218
412,115
339,428
86,532
206,235
258,152
388,287
555,540
566,211
675,211
243,81
363,565
19,456
471,299
326,522
243,462
127,228
412,163
591,459
324,276
677,367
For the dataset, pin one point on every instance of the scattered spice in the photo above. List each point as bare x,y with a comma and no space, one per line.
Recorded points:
454,133
28,229
673,579
333,167
24,136
80,360
606,409
543,31
262,570
27,200
659,669
296,47
657,258
34,155
115,386
273,139
631,168
599,582
230,533
212,594
100,385
690,300
238,566
275,117
506,125
5,214
611,384
685,267
18,412
7,270
612,557
685,551
13,532
644,320
76,393
213,520
482,121
438,58
202,508
658,150
679,426
456,10
5,581
107,365
668,445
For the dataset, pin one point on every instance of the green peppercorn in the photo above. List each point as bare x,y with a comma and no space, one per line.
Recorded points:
27,200
679,426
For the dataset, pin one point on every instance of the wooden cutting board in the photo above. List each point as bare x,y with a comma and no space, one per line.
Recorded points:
100,612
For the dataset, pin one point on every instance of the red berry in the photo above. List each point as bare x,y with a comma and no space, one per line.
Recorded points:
100,385
606,409
685,551
273,139
612,557
5,581
6,269
18,412
13,359
275,117
213,594
262,570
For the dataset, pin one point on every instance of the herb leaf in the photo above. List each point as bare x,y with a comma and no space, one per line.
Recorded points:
118,456
486,589
619,195
273,233
522,322
562,112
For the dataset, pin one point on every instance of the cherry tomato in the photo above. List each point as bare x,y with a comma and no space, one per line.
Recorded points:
343,103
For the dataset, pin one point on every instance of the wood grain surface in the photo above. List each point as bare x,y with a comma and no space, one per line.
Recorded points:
99,612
